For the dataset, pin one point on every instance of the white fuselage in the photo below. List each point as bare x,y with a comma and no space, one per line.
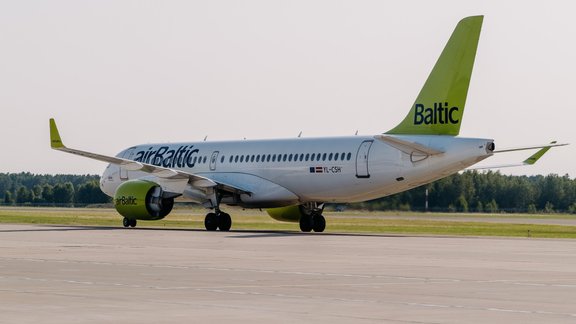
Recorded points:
295,171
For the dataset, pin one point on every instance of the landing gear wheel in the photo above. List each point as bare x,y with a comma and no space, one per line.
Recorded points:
306,223
224,222
128,222
319,223
211,222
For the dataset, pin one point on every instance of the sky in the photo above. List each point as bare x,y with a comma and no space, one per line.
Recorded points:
119,73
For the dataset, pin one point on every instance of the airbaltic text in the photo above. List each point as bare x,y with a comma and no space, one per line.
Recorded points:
440,114
168,157
125,201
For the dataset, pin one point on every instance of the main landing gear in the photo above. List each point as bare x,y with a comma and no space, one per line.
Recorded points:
311,218
218,220
316,223
128,222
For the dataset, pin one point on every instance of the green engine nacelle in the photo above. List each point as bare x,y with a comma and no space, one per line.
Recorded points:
140,199
286,214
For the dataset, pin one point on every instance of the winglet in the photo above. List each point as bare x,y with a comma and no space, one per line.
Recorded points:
536,156
55,140
543,149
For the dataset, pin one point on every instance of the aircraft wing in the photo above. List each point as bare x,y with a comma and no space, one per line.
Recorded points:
548,146
195,180
529,161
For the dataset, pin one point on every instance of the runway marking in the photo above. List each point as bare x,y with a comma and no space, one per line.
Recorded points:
229,291
298,273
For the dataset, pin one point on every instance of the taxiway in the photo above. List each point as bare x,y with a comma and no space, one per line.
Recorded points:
64,274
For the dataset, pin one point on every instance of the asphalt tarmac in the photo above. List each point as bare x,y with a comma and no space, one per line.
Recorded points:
63,274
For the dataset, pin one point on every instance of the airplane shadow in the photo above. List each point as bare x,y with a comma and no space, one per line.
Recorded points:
232,234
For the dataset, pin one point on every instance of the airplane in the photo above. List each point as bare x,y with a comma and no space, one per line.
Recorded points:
294,178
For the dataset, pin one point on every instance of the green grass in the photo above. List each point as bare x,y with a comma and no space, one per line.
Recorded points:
347,222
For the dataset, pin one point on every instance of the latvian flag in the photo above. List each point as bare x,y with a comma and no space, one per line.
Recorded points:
316,170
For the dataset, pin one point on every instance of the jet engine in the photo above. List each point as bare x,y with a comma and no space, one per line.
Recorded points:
141,199
286,214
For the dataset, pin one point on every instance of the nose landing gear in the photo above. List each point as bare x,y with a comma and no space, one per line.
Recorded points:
128,222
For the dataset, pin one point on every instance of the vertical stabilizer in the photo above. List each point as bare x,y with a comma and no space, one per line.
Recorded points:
439,108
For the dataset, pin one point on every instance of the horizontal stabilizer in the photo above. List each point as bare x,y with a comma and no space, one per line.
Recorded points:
407,147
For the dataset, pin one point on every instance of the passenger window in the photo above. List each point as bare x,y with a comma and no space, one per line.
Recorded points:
257,158
231,157
290,158
324,157
195,158
252,158
313,157
342,156
349,156
330,157
222,159
302,157
268,158
273,157
285,157
241,158
307,156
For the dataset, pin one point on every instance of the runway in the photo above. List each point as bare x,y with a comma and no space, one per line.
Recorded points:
63,274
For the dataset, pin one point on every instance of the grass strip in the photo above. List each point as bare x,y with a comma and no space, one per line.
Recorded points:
374,223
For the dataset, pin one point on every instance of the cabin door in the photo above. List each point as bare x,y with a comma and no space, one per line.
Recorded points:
362,159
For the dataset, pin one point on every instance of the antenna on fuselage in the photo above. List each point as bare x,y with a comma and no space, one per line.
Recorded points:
355,134
300,135
205,138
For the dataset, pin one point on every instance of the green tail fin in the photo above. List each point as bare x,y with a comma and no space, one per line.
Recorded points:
439,108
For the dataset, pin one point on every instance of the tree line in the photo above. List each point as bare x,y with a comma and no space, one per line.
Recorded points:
489,192
25,188
470,191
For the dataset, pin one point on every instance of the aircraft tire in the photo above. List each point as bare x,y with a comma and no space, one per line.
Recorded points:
224,222
319,223
132,223
211,222
306,223
126,222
